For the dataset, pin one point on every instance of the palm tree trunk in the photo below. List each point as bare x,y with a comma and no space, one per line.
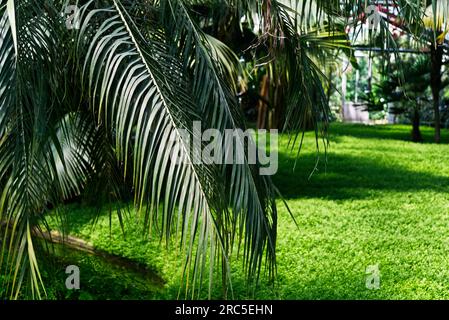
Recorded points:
437,62
416,132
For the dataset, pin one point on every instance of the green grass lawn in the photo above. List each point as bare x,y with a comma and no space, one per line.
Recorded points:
379,200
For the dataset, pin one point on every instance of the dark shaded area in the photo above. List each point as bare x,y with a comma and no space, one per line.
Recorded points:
100,278
348,177
344,177
383,132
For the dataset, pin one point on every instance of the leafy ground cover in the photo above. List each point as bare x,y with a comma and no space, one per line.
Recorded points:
378,200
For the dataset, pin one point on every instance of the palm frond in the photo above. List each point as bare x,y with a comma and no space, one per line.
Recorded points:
250,196
139,91
25,50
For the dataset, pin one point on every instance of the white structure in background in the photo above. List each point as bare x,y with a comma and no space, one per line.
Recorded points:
354,111
349,112
355,114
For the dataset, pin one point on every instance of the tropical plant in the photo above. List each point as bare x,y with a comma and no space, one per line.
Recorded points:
81,109
98,109
426,25
403,97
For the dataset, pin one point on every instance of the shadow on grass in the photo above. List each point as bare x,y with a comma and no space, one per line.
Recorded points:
395,132
99,278
349,177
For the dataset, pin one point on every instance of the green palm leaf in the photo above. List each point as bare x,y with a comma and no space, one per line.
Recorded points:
139,92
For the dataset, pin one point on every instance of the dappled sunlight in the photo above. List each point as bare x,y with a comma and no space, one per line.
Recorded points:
367,207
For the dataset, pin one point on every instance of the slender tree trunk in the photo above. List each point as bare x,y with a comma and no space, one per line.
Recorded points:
262,107
435,81
278,106
416,132
344,83
330,76
370,74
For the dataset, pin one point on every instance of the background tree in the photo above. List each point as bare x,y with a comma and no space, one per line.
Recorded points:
397,96
426,26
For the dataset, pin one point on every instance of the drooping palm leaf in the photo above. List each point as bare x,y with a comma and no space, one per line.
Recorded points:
139,91
26,132
77,107
250,196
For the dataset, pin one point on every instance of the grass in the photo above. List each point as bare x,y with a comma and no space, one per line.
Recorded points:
380,199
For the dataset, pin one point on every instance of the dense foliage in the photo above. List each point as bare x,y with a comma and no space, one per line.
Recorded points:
91,106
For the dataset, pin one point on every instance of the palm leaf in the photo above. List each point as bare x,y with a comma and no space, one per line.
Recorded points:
139,92
251,197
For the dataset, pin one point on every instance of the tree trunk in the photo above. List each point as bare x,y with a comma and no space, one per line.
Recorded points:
344,83
81,245
262,107
416,132
435,82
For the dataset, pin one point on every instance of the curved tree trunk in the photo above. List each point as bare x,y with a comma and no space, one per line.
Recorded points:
435,81
78,244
